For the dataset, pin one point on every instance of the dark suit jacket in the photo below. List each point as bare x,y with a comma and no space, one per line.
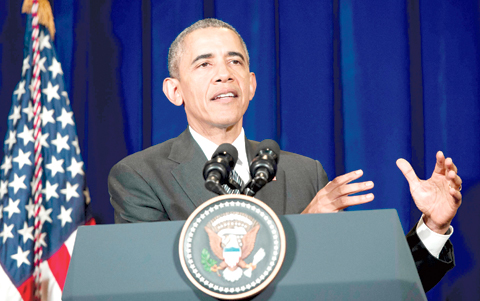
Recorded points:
165,182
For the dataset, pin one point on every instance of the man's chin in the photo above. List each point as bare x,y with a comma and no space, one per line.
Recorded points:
224,120
226,124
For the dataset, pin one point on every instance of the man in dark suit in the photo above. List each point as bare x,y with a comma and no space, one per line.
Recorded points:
210,77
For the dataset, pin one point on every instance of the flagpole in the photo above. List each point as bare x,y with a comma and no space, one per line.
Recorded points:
38,170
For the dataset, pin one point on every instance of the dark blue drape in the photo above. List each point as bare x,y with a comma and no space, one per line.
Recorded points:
354,84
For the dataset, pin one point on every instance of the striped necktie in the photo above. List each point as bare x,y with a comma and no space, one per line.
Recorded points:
234,177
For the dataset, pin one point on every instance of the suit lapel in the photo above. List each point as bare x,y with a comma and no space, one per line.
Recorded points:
189,172
274,193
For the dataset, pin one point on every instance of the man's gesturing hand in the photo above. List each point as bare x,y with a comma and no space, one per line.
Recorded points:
335,195
439,197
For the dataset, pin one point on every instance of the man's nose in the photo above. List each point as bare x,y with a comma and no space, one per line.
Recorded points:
223,74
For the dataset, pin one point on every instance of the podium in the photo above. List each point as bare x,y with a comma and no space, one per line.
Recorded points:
356,255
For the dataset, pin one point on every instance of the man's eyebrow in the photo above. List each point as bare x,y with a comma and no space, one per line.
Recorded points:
234,53
209,55
202,56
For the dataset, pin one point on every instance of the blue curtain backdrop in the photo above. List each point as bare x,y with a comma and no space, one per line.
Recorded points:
354,84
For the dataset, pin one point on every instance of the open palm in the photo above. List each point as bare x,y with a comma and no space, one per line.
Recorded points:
439,197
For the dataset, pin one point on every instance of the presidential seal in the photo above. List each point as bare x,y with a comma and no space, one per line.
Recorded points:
232,247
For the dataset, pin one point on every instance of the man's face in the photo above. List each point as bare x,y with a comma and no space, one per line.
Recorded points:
215,83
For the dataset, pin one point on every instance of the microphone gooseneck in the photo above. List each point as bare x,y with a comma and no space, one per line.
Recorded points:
216,171
263,167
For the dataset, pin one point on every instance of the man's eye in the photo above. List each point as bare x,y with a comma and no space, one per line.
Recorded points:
203,65
236,62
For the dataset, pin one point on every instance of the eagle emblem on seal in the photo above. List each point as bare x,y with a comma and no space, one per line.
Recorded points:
232,238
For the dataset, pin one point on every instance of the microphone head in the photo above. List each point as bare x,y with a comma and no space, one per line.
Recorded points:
223,161
269,146
227,149
266,160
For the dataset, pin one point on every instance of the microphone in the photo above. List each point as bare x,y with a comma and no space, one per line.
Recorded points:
216,171
263,167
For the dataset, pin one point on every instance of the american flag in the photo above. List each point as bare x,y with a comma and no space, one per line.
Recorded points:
64,195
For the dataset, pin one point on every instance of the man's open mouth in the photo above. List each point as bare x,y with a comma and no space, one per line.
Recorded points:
224,95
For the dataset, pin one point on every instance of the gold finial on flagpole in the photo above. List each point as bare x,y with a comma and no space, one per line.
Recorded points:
45,15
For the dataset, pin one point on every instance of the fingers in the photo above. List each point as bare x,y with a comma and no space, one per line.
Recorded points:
451,174
407,171
353,188
440,165
344,179
340,185
454,180
457,195
335,195
449,165
347,201
328,206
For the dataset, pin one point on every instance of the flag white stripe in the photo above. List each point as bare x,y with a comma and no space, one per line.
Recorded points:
9,291
70,242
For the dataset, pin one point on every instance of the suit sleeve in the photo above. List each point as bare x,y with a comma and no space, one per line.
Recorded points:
132,198
430,269
322,178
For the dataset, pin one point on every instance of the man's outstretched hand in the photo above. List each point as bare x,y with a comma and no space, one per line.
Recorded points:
439,197
336,195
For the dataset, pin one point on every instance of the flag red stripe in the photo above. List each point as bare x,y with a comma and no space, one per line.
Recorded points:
58,263
27,288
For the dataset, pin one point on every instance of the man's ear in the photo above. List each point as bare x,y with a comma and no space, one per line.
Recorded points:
171,88
253,85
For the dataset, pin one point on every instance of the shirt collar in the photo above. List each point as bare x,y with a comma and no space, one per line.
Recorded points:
208,147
